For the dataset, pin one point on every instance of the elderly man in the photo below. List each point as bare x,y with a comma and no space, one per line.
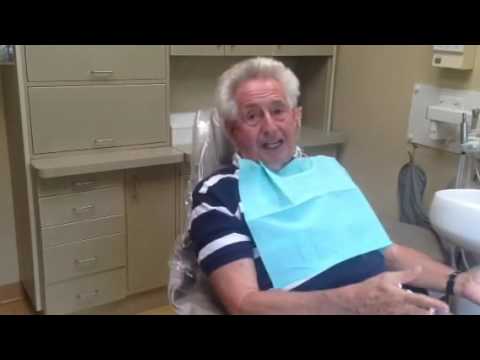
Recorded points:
257,101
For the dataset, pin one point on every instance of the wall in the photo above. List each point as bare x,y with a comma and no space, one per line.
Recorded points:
193,80
373,94
8,247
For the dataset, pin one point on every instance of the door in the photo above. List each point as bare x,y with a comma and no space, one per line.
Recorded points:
151,209
197,50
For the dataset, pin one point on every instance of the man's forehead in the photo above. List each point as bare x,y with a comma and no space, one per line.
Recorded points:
270,102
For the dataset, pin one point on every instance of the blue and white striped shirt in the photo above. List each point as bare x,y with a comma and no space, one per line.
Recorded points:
220,236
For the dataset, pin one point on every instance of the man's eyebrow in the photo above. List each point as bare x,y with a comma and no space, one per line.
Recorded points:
250,106
279,102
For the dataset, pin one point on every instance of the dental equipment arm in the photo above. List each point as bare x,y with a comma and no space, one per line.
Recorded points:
236,286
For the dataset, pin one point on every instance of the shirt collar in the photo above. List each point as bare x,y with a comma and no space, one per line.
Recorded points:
236,157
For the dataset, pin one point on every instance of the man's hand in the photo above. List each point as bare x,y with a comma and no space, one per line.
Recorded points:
383,294
468,285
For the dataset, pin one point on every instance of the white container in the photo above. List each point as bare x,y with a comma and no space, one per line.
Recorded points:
182,128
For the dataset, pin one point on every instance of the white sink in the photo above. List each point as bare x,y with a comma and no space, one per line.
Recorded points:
455,215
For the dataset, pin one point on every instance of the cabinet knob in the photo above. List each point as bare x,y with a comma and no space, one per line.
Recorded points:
101,72
83,185
135,187
87,295
83,209
88,261
106,142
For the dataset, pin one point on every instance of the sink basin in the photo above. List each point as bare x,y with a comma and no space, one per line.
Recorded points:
455,215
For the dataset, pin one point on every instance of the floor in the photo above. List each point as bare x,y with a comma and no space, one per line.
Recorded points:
14,302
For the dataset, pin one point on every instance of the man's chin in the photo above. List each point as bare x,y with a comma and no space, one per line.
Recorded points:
275,165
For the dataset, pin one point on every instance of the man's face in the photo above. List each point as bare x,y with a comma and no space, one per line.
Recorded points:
266,129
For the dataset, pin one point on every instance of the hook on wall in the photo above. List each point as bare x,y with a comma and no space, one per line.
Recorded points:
411,151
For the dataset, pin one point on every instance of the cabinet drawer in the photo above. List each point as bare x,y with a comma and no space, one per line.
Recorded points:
67,118
197,50
249,50
80,183
64,234
85,292
85,257
96,63
304,50
94,204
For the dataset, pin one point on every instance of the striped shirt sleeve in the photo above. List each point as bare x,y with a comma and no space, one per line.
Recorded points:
217,229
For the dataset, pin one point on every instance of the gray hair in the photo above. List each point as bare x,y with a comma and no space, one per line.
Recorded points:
254,68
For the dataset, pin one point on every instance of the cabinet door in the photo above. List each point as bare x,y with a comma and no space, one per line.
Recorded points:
304,50
68,118
151,209
249,50
197,50
96,62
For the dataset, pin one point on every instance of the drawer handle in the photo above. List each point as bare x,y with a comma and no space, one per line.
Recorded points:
79,185
103,142
88,295
85,261
101,72
83,209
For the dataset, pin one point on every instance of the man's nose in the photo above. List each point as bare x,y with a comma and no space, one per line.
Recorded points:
268,124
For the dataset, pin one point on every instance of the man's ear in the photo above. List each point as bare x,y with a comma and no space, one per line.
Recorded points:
298,113
229,127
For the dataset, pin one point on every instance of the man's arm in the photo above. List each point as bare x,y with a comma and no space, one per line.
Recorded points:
434,275
237,287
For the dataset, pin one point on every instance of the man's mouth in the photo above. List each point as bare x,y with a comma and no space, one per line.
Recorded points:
272,145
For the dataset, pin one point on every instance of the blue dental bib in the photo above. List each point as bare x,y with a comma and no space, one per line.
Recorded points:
306,218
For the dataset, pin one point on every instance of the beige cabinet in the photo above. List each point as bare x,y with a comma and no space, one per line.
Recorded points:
95,204
96,63
65,118
197,50
85,257
249,50
151,208
221,50
85,292
83,240
304,50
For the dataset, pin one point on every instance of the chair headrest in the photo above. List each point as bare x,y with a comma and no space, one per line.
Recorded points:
211,149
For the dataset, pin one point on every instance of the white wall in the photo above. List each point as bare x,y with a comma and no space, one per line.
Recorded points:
8,247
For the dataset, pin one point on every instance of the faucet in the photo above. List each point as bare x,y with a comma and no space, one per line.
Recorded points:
475,114
464,129
467,167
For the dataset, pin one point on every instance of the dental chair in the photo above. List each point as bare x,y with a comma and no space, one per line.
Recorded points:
189,290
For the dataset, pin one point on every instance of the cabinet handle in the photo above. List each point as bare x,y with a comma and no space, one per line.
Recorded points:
79,185
103,142
88,295
83,209
101,72
85,261
135,187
